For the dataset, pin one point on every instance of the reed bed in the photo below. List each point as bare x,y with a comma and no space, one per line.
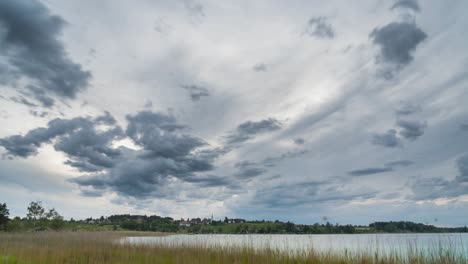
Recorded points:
103,247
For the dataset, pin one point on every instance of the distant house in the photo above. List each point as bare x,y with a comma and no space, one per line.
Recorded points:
206,221
182,222
236,221
195,221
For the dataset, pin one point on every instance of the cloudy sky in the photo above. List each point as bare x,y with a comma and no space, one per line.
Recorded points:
289,110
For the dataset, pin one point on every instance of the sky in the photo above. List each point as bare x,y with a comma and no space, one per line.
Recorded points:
291,110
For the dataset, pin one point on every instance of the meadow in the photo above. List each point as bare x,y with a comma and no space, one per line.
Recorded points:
103,247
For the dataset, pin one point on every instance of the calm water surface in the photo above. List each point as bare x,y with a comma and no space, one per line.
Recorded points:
371,243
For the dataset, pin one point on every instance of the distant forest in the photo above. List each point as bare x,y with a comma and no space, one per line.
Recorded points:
38,218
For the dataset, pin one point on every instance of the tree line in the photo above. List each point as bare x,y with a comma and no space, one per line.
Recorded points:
39,218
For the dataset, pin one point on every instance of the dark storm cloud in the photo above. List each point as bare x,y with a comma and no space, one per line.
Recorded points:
87,148
369,171
249,129
388,139
407,4
156,133
29,36
138,176
319,27
433,188
397,41
196,92
411,130
27,145
166,154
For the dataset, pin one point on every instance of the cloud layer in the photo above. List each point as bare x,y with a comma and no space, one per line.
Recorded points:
275,110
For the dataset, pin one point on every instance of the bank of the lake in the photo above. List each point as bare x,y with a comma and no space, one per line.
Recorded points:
103,247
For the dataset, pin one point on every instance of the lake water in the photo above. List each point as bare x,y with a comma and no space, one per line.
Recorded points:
358,243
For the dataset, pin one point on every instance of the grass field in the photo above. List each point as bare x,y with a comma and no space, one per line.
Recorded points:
101,247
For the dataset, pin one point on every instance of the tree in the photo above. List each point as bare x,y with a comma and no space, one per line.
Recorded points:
4,213
35,211
55,219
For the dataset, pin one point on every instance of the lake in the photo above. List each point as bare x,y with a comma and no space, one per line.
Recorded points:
353,243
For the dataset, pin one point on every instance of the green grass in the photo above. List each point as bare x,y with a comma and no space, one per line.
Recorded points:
101,247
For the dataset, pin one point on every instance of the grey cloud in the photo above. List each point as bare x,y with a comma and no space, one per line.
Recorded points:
140,177
210,181
196,92
162,27
38,113
299,141
407,4
464,127
166,154
195,11
407,108
248,173
27,145
261,67
87,148
248,170
249,129
155,132
399,163
390,166
369,171
32,49
40,95
91,192
148,104
433,188
106,119
272,161
388,139
22,100
397,41
304,193
319,27
411,130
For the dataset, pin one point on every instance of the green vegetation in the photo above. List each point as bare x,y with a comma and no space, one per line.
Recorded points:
39,219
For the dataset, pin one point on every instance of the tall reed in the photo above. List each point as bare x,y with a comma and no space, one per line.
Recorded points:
102,247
